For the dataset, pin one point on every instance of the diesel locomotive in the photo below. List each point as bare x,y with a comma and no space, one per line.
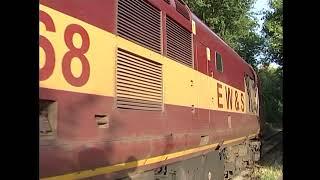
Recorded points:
141,89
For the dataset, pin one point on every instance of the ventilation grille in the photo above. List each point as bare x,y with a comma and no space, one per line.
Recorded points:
140,22
179,43
182,9
167,1
139,83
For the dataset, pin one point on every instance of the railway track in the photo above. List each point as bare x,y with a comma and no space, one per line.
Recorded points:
270,142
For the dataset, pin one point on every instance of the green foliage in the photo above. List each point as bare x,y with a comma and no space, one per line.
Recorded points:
271,82
273,33
273,53
233,22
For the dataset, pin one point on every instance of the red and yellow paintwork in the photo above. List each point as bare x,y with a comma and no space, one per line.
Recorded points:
135,139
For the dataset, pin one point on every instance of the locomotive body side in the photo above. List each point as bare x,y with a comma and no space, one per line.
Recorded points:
110,105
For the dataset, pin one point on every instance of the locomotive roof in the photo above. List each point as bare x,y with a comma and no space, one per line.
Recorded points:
214,35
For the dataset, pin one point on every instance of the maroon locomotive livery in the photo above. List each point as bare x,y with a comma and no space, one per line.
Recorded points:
141,89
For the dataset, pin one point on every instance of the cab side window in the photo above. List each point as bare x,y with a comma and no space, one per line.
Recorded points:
219,62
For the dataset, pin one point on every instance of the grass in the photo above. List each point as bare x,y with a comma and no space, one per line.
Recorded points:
270,166
269,172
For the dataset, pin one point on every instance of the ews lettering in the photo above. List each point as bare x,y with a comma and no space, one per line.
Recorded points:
234,99
229,97
242,102
219,86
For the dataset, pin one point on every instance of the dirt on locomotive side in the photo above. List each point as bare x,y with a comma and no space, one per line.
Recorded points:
270,165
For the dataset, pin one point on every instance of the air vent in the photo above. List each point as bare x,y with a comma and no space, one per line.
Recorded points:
140,22
182,9
139,82
179,43
167,1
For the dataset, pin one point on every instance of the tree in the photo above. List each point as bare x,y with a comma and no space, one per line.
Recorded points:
271,78
233,22
273,33
271,87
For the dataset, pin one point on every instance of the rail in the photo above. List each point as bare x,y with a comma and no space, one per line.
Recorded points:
270,142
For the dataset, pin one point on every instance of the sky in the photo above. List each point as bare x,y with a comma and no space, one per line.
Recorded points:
259,6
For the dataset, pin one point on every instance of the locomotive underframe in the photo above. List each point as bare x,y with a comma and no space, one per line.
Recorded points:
224,163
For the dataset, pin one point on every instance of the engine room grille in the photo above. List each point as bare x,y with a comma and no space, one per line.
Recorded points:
138,82
182,9
140,22
179,43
